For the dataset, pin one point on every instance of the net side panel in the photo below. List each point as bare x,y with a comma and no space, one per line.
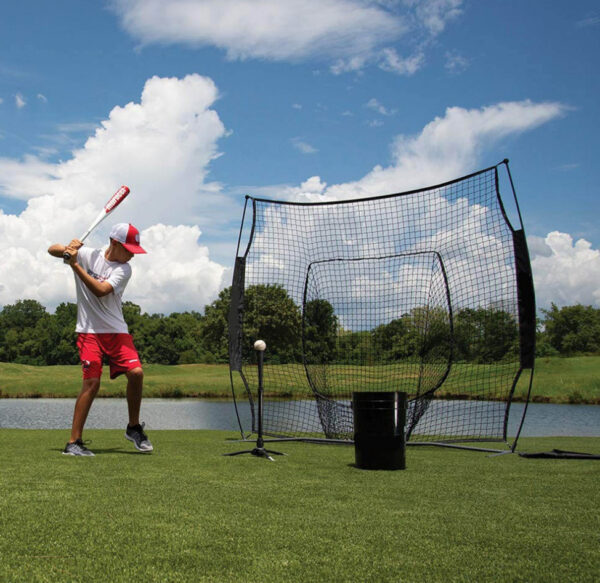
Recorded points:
414,292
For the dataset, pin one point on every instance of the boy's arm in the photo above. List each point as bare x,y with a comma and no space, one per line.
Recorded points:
98,288
58,250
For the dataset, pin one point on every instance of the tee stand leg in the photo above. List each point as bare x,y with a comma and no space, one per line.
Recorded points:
259,450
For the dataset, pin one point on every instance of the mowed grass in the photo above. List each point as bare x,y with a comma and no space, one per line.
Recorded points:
187,513
189,380
556,380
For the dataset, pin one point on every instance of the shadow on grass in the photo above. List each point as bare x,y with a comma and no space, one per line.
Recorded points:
375,469
108,451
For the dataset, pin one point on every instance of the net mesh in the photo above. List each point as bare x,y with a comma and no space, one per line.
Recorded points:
414,292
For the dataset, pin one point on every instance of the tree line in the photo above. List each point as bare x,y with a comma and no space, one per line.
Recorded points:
29,334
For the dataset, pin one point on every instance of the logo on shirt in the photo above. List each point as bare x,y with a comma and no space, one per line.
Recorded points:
96,276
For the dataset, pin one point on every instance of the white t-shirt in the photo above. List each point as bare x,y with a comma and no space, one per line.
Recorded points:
101,315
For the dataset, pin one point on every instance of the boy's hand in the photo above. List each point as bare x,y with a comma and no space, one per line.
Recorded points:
72,252
75,244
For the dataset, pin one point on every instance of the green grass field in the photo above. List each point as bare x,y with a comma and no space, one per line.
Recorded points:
186,513
556,380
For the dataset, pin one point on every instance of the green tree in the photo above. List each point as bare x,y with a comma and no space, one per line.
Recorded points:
485,335
542,344
185,330
61,347
320,332
396,340
271,315
573,329
164,339
354,347
19,340
215,330
22,314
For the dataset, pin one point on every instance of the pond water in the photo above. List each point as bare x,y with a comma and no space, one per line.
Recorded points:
541,419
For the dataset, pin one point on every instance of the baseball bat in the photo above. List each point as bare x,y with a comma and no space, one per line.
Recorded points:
115,200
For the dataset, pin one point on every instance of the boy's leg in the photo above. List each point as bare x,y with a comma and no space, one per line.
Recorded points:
135,383
90,354
125,359
82,407
135,431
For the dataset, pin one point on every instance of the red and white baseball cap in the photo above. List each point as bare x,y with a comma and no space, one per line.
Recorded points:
128,236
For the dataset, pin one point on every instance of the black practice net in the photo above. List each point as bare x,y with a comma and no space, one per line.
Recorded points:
427,292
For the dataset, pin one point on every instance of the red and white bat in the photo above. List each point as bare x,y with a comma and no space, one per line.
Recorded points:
115,200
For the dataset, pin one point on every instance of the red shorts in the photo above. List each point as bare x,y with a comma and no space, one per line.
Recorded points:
119,348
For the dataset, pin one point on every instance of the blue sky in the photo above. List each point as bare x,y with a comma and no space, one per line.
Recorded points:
194,104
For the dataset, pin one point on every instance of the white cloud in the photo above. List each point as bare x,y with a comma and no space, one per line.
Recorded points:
589,21
303,147
349,65
177,274
448,147
349,34
268,29
435,14
20,101
537,247
389,60
455,63
569,167
27,178
162,148
379,108
76,127
565,272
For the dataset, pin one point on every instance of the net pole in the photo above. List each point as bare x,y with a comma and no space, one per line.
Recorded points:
237,252
514,445
512,186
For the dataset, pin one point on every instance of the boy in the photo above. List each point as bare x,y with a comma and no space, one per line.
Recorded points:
100,279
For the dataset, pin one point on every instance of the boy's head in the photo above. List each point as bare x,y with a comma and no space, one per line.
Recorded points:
128,236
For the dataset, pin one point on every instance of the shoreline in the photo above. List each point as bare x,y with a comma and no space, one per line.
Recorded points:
215,396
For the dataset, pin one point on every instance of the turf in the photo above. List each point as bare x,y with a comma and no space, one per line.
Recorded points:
556,380
187,513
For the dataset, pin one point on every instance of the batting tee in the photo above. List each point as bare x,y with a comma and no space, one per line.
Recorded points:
428,292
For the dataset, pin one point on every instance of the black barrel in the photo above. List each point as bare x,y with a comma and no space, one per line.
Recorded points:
379,420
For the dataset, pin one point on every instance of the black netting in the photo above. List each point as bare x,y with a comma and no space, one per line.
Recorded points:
418,292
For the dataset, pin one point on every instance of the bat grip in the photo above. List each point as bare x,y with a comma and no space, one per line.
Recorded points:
67,255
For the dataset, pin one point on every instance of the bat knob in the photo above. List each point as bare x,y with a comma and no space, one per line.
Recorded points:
66,257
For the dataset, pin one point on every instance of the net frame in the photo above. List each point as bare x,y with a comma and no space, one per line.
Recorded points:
520,281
